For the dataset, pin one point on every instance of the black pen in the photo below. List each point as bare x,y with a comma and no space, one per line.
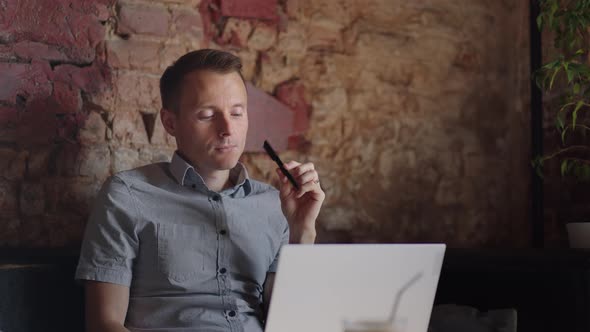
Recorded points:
273,155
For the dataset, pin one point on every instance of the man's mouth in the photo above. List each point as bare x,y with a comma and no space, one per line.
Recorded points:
225,148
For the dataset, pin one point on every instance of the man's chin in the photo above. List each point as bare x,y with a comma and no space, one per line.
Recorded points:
226,164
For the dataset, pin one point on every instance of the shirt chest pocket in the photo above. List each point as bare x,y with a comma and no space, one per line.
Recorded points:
179,254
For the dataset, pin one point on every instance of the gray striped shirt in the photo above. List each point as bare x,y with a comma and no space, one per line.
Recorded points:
194,259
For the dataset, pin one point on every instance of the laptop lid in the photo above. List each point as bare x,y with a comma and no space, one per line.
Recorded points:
355,287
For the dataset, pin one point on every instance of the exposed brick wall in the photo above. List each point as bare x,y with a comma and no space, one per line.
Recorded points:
419,119
52,59
414,113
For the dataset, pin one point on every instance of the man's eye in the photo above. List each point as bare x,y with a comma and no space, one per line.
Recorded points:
237,112
204,115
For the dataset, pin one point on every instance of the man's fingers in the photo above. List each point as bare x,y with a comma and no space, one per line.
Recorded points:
310,186
305,175
291,164
298,169
285,187
309,176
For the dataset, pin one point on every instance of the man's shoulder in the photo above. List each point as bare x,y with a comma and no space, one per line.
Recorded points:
151,173
261,188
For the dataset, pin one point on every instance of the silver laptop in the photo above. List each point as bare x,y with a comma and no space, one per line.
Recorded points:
355,287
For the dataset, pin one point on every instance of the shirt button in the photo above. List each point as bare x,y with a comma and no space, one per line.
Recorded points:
194,186
222,270
223,232
232,313
216,198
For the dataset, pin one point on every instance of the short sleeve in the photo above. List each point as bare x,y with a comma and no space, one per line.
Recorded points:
284,240
110,241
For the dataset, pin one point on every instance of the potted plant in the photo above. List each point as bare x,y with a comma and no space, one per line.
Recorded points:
565,79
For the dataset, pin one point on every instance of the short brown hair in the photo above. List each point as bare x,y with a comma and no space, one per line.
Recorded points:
205,59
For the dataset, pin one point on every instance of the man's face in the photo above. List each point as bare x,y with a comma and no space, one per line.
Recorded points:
212,121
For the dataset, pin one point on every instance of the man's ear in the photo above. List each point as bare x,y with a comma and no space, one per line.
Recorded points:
168,119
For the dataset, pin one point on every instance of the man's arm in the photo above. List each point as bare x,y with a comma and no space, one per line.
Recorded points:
267,293
268,285
106,307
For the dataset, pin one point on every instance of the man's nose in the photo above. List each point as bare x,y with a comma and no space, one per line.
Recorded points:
224,125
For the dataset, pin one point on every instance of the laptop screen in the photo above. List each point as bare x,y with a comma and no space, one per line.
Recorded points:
355,287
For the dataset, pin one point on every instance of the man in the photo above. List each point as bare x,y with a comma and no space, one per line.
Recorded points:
192,245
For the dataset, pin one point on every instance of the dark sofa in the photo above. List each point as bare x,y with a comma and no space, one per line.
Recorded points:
549,289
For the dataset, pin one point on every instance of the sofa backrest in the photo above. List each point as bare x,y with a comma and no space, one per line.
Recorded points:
38,293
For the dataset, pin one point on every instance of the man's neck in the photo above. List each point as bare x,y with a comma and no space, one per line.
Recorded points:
215,180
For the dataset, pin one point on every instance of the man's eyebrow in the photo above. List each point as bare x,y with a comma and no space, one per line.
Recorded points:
207,105
198,106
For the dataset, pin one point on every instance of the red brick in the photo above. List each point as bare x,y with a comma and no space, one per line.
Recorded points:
26,79
235,32
8,132
8,116
268,119
170,53
94,161
6,53
292,94
103,100
38,161
32,199
138,90
66,161
142,19
68,126
263,37
258,9
210,16
11,80
293,8
68,98
13,164
93,130
102,12
325,35
128,128
54,22
33,50
133,54
74,195
187,22
8,194
88,79
37,124
125,159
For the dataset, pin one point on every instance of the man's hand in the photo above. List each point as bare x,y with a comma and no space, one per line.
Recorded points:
301,207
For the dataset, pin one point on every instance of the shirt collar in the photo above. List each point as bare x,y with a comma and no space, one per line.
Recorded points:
186,175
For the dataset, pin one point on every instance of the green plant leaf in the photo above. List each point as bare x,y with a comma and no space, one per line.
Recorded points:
540,22
564,165
576,88
575,113
570,73
559,121
553,77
